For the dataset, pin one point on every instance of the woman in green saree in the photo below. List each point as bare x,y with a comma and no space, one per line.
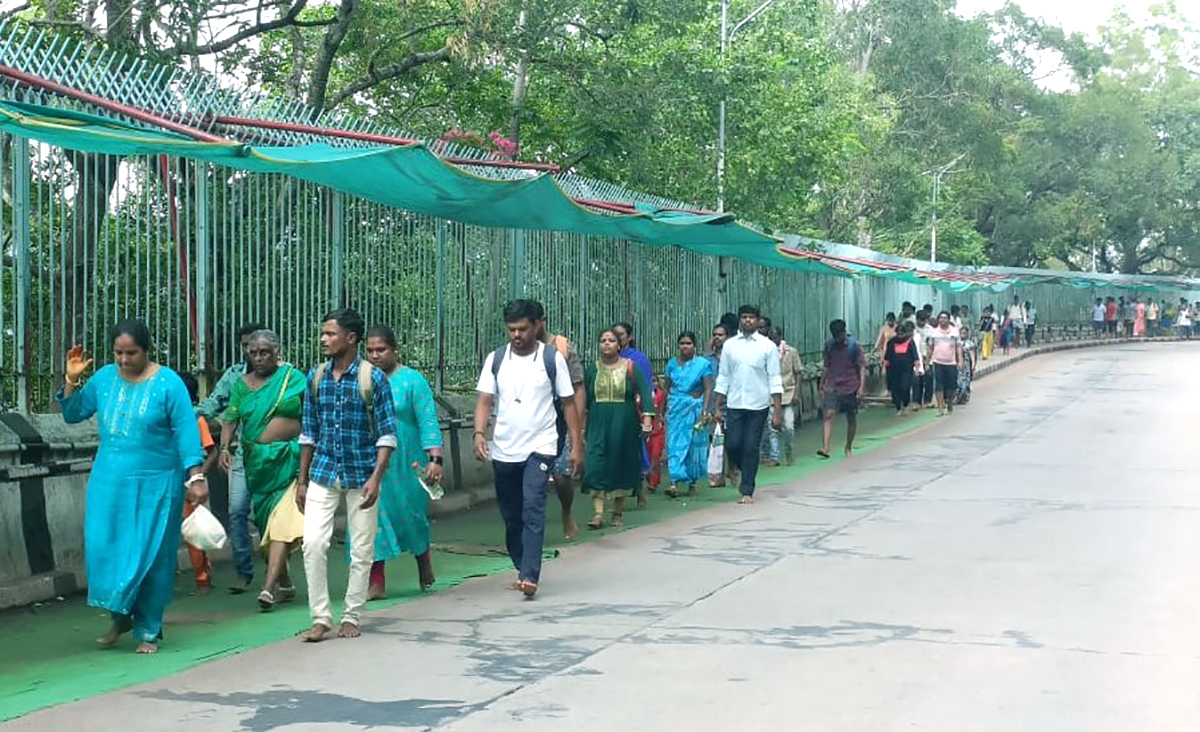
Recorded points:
265,407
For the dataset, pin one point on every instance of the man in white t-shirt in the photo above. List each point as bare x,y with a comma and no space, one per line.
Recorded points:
527,388
1016,316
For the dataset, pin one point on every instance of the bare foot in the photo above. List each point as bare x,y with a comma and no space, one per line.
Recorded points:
570,529
115,631
849,452
745,500
201,590
146,647
425,572
349,630
376,592
316,633
529,589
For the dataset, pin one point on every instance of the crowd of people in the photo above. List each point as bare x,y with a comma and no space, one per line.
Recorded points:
929,361
295,446
1135,317
365,432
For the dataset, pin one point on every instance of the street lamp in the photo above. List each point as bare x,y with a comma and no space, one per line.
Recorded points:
937,174
727,38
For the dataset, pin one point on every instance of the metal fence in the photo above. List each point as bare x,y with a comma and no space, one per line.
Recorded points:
196,250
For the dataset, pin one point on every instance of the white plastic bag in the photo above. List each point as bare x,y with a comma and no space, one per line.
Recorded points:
203,531
716,453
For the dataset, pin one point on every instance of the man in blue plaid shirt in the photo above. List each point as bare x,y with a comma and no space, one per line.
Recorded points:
345,446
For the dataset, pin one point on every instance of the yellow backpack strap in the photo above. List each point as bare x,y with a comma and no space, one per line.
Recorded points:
318,376
366,389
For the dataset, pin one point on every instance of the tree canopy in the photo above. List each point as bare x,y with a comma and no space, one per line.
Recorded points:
1050,149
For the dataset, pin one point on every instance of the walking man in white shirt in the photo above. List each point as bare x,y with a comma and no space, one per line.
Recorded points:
524,387
748,385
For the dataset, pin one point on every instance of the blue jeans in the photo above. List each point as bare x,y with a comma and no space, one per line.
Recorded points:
743,437
239,520
521,495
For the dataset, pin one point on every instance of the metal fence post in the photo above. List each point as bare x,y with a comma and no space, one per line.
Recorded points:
203,251
337,239
633,252
439,313
516,260
21,246
584,326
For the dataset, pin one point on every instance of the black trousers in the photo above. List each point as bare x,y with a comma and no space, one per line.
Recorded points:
900,384
743,437
922,391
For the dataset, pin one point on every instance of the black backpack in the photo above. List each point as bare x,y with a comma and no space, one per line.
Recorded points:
551,366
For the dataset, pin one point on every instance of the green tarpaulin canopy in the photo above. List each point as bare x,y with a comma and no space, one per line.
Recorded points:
412,178
407,177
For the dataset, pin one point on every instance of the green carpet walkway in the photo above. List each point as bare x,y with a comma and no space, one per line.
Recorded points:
51,657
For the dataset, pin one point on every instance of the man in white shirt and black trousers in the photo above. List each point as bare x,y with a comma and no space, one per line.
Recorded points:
528,386
748,383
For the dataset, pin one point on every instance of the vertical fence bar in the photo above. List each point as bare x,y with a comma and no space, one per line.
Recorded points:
203,245
516,262
21,236
439,316
337,240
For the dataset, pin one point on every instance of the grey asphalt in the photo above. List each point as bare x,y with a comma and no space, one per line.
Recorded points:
1029,563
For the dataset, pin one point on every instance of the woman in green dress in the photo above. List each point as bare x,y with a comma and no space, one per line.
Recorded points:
264,415
612,465
403,503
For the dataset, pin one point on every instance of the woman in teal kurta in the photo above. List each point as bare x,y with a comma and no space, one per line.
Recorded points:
403,503
689,397
149,455
612,465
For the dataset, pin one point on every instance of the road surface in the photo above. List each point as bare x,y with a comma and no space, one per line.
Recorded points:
1029,563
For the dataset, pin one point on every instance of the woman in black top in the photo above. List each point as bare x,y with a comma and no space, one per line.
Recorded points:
900,358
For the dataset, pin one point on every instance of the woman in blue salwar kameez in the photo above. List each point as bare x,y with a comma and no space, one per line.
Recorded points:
689,399
149,455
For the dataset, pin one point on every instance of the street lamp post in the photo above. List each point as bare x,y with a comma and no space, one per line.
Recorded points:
937,174
727,38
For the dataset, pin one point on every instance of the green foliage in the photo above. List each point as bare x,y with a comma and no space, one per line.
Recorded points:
1065,147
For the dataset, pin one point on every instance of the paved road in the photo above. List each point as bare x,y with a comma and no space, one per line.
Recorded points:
1027,564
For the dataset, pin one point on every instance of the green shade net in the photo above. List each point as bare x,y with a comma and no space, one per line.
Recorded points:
411,178
406,177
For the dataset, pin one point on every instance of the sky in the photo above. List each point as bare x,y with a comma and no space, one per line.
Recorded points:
1077,15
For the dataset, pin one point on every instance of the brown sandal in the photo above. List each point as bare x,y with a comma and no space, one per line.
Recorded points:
597,522
618,519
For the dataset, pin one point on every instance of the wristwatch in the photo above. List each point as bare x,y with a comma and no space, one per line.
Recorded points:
437,460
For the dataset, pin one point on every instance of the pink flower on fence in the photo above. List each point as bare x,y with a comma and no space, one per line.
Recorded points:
494,142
